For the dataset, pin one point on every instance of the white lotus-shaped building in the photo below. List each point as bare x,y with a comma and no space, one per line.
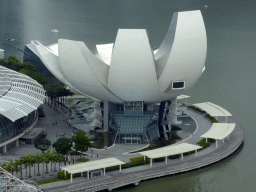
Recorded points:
129,70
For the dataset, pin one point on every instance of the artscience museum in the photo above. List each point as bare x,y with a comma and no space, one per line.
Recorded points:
135,88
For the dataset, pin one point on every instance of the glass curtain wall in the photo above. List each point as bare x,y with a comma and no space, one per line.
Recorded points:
131,127
9,129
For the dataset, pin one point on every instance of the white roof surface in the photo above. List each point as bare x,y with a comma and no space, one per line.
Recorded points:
212,109
170,150
92,165
54,48
219,130
1,54
105,52
19,94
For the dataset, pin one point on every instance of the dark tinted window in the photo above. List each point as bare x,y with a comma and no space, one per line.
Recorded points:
177,85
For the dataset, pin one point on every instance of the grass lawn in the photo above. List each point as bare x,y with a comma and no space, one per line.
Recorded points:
82,160
49,181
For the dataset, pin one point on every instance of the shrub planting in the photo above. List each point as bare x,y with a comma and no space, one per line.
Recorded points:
160,159
196,109
41,115
212,119
62,175
174,156
203,144
134,162
188,153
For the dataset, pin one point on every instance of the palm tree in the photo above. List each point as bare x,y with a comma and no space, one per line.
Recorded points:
52,158
4,166
25,162
20,164
43,158
38,159
30,163
47,159
17,168
10,166
34,164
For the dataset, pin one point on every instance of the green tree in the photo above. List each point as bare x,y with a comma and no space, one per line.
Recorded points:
63,145
21,162
38,159
55,158
28,66
25,68
11,166
56,91
47,157
16,167
25,163
43,144
4,166
30,162
34,75
43,157
82,142
61,158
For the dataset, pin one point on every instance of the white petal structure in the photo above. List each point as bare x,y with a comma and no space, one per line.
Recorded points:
130,70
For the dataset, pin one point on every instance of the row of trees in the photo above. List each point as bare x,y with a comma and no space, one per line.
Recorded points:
63,145
55,90
31,161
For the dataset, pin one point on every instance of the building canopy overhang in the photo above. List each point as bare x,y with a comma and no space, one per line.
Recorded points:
92,165
170,150
219,131
212,109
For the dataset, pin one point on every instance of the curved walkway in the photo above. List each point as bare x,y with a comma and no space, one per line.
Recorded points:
134,175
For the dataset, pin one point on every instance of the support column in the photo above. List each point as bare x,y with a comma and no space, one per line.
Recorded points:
5,149
160,120
106,114
196,153
88,175
181,156
119,168
144,158
166,160
216,143
81,174
104,171
150,162
17,143
65,173
71,177
206,140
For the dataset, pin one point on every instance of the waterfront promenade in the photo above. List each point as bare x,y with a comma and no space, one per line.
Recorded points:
134,175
